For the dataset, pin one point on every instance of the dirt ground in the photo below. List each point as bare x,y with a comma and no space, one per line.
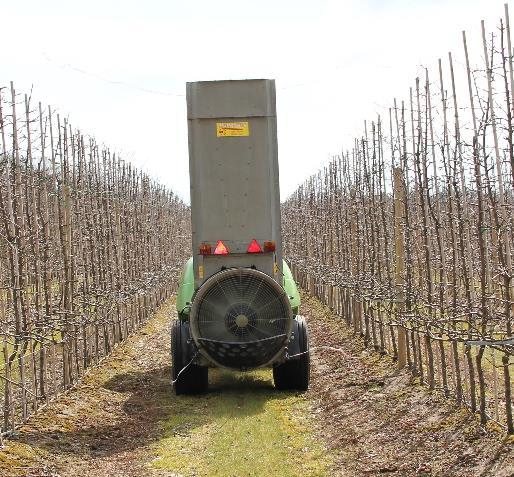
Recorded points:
360,418
381,423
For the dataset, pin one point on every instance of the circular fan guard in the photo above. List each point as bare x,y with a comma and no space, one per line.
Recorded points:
241,318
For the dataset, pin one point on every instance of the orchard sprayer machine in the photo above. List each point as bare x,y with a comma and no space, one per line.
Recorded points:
238,304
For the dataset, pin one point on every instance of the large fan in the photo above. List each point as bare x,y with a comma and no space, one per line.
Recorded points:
241,318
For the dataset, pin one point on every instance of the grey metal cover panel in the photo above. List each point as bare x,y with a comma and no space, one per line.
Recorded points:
231,99
234,180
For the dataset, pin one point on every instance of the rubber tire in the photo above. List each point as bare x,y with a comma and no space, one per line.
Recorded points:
295,373
194,379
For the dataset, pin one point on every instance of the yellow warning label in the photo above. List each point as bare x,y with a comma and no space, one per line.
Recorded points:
200,272
232,129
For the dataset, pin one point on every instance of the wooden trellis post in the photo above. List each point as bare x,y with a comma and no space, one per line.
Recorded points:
399,265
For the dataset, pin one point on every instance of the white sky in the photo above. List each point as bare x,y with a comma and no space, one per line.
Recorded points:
336,63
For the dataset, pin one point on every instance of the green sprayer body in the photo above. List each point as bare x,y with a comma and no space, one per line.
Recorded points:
186,290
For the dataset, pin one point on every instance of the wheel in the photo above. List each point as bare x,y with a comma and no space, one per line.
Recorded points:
192,379
294,374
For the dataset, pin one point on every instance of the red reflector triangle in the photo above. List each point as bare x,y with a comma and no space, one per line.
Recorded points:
254,247
220,249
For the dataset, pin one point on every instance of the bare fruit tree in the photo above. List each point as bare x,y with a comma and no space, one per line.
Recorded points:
408,235
90,246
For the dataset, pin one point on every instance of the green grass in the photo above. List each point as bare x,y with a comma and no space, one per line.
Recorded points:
243,427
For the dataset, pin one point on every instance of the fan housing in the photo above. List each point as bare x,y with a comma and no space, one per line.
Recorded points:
241,319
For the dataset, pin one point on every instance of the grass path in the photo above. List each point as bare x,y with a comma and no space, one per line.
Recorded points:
123,420
242,427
